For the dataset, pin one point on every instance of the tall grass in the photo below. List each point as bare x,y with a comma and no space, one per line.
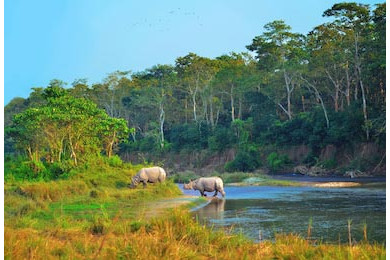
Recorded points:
175,236
93,215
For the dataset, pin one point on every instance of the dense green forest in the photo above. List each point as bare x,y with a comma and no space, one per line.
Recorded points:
323,93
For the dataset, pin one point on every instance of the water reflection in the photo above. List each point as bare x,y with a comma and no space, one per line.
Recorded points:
213,210
270,210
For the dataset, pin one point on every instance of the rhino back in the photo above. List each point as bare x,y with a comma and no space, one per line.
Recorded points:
153,174
210,183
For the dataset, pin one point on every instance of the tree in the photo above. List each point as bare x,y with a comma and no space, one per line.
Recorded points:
195,74
354,18
113,131
280,51
65,128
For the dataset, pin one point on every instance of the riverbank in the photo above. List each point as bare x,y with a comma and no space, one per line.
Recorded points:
95,215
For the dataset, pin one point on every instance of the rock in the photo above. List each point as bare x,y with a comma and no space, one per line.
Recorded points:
302,169
316,171
312,171
355,174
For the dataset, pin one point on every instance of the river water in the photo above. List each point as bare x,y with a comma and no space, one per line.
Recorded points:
261,211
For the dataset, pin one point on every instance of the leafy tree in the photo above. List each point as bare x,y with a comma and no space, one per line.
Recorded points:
66,127
280,51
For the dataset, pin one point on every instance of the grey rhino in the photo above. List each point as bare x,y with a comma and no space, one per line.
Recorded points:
206,184
152,175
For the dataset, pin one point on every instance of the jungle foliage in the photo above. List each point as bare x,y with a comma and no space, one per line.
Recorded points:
325,87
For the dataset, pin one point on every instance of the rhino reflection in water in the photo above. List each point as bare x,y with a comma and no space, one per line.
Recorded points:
213,210
206,184
151,175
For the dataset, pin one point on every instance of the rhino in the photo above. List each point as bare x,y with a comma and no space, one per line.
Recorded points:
206,184
152,175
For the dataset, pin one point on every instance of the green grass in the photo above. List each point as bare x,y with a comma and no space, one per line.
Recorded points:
90,216
238,178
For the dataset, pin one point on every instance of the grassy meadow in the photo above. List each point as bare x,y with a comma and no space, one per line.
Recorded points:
94,215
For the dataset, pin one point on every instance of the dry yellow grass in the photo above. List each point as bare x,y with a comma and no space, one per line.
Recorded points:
175,236
87,218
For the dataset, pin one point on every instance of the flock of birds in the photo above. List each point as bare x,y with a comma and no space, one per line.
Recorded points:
164,22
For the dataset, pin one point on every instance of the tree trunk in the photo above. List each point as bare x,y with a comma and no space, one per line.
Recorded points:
111,145
348,91
336,85
318,96
72,150
289,90
232,101
239,107
211,112
194,106
359,74
162,120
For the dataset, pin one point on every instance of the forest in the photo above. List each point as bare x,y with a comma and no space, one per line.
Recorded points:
323,94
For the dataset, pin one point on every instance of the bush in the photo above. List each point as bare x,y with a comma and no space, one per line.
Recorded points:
235,177
184,177
245,161
148,144
329,164
115,161
275,161
221,139
189,136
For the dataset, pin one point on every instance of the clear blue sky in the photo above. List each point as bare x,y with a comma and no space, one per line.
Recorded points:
73,39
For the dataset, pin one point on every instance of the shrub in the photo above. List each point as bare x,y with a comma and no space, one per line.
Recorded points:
275,161
329,164
245,161
182,177
115,161
220,140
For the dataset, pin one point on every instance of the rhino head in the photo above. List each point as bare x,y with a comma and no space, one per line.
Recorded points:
134,182
188,186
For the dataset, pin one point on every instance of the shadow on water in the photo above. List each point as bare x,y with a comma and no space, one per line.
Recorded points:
267,210
213,210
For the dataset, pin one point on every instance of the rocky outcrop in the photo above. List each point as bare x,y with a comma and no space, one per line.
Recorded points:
355,174
312,171
301,169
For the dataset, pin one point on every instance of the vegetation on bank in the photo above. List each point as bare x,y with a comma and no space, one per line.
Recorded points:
92,214
237,178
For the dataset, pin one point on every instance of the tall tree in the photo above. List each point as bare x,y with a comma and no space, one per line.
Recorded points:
354,17
280,52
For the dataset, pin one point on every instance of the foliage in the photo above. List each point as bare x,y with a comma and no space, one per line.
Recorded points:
115,161
118,225
325,87
221,139
276,161
184,177
246,160
66,128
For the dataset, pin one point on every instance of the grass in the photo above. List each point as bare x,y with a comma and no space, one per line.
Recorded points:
237,178
93,215
176,236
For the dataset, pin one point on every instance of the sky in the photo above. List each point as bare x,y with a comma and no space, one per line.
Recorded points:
88,39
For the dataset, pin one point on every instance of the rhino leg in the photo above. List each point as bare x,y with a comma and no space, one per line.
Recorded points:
144,184
216,193
202,193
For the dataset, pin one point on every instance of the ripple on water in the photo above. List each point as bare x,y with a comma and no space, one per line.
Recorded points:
266,210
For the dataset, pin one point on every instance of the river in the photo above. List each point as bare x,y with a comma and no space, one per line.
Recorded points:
261,211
